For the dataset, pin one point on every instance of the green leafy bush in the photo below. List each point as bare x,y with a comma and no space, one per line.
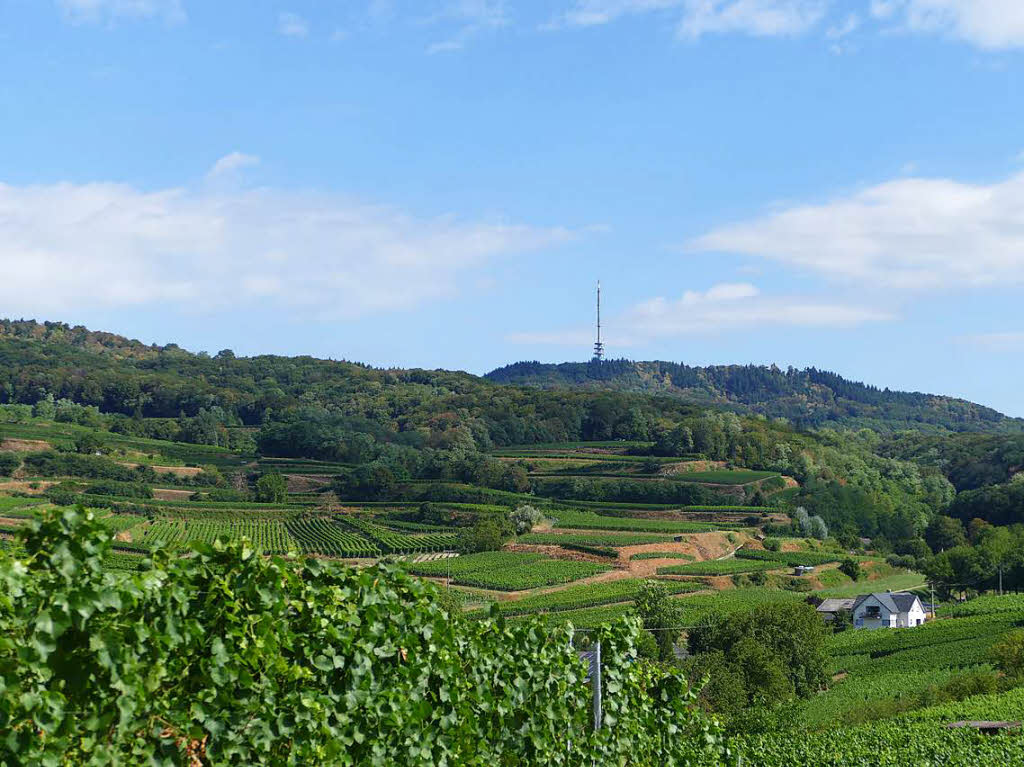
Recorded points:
227,657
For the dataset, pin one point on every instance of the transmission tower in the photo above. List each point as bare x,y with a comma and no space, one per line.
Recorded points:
598,346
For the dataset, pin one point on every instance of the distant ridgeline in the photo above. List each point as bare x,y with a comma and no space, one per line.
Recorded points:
808,397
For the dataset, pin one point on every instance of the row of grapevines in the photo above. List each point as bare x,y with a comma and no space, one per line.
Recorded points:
321,536
720,567
508,571
584,520
401,543
577,597
592,539
791,558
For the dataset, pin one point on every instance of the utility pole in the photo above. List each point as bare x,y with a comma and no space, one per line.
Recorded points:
597,686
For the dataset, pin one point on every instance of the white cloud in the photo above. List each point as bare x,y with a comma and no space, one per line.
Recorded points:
993,24
1011,341
472,17
447,46
844,28
697,17
911,233
79,11
726,306
760,18
111,245
588,13
232,162
292,25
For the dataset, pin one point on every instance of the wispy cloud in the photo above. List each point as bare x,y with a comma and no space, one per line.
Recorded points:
695,18
470,17
232,162
446,46
309,255
292,25
991,24
760,18
988,24
723,307
1010,341
92,11
590,13
912,234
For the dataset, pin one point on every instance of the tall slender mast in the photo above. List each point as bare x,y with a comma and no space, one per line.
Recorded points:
598,346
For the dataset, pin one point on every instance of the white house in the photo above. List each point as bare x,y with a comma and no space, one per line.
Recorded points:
887,610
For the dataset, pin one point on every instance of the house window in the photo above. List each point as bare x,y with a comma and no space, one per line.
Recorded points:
918,622
873,612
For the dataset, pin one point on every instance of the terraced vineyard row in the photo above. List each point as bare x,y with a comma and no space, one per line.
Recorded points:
585,520
592,539
266,535
720,567
578,597
791,558
321,536
401,543
508,571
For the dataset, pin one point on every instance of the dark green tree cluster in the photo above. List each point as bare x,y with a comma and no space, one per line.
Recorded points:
759,658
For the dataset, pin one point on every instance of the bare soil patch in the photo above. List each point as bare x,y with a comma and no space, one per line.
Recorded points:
306,483
21,486
11,521
24,445
178,471
685,467
167,494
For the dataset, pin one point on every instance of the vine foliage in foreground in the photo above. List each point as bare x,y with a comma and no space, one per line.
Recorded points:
226,657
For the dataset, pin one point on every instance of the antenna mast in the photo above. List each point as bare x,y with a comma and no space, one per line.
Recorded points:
598,346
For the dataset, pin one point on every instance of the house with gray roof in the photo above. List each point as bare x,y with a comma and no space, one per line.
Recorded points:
887,610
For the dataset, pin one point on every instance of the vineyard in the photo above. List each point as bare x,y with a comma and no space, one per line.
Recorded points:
508,571
720,567
791,558
321,536
585,520
577,597
591,539
402,684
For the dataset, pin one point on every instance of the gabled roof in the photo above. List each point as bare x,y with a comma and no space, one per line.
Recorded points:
900,602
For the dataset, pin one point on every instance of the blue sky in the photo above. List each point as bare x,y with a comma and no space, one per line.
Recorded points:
440,183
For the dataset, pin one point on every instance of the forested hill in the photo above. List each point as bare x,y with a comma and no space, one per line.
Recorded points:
525,402
808,397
